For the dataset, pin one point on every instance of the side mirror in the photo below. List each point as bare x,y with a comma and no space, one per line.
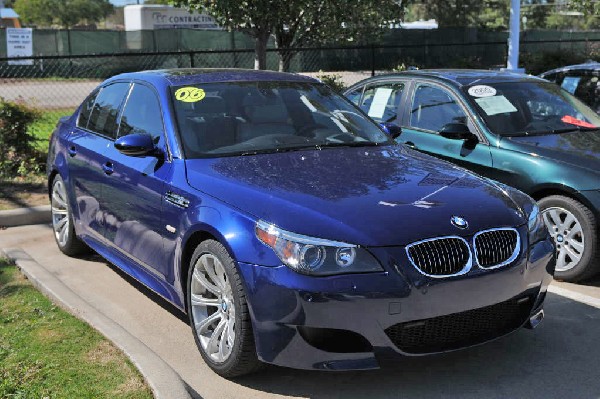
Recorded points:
136,144
392,129
457,131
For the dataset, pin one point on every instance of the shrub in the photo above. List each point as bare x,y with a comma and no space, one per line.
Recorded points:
536,63
18,155
334,81
407,65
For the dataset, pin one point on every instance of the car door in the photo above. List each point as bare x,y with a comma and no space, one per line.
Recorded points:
133,196
431,107
380,100
95,128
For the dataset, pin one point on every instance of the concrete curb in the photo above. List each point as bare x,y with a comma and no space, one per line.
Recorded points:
23,216
164,382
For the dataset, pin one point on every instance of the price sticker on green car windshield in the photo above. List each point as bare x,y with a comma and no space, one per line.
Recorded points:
495,105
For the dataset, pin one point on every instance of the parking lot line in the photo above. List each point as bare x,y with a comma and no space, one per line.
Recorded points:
576,296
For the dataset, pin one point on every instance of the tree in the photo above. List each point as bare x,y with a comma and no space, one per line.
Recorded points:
451,12
65,13
34,11
296,22
587,7
310,22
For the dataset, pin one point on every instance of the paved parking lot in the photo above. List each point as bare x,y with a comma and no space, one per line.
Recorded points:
558,360
46,93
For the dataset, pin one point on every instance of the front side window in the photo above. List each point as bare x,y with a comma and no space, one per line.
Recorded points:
433,108
381,100
529,108
142,113
103,118
237,118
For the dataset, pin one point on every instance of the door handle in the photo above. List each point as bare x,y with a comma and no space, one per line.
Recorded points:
410,144
108,168
72,151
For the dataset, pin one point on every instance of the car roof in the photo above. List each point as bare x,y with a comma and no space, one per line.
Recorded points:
590,65
186,76
461,77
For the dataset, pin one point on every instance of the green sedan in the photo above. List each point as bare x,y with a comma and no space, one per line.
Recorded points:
519,130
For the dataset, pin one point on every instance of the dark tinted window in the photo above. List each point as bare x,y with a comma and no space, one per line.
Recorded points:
381,100
142,113
218,119
86,110
588,91
433,107
103,118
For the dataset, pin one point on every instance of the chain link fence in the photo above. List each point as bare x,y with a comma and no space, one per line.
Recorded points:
58,84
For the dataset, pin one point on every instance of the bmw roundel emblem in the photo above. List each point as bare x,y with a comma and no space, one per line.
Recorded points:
459,222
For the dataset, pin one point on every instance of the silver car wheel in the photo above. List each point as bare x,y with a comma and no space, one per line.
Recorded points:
60,213
567,233
213,308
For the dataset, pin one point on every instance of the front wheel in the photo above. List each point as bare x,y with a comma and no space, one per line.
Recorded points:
62,220
574,230
218,312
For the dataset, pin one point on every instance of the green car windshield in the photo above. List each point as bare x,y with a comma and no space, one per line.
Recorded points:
530,108
245,118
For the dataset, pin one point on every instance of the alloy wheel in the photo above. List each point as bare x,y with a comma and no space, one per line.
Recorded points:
60,213
213,308
568,235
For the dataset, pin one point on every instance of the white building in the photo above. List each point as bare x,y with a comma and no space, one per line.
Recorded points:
150,17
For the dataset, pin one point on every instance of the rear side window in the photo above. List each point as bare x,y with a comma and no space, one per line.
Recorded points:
381,101
103,118
86,110
142,113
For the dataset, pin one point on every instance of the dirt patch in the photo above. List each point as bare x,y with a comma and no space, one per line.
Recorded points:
133,384
16,194
104,353
49,336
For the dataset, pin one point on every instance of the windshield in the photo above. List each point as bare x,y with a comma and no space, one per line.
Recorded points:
242,118
530,108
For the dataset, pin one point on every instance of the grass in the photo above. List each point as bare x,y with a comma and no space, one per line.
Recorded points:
47,353
44,126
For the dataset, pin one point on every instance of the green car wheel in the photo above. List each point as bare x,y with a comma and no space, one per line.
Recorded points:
573,228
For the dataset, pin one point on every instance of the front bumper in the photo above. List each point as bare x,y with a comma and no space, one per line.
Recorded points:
347,322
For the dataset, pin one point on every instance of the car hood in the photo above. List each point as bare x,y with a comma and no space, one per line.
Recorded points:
581,149
369,196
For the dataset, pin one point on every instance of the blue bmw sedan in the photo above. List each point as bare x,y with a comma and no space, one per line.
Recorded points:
288,226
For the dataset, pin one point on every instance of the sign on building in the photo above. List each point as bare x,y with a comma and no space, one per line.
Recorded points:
149,17
19,43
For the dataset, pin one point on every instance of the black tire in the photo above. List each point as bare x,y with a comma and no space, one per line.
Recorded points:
71,245
589,263
243,359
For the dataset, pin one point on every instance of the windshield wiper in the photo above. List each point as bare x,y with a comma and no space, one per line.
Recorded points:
552,131
575,129
279,149
352,144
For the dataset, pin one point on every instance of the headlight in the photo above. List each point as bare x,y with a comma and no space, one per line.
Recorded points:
315,256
